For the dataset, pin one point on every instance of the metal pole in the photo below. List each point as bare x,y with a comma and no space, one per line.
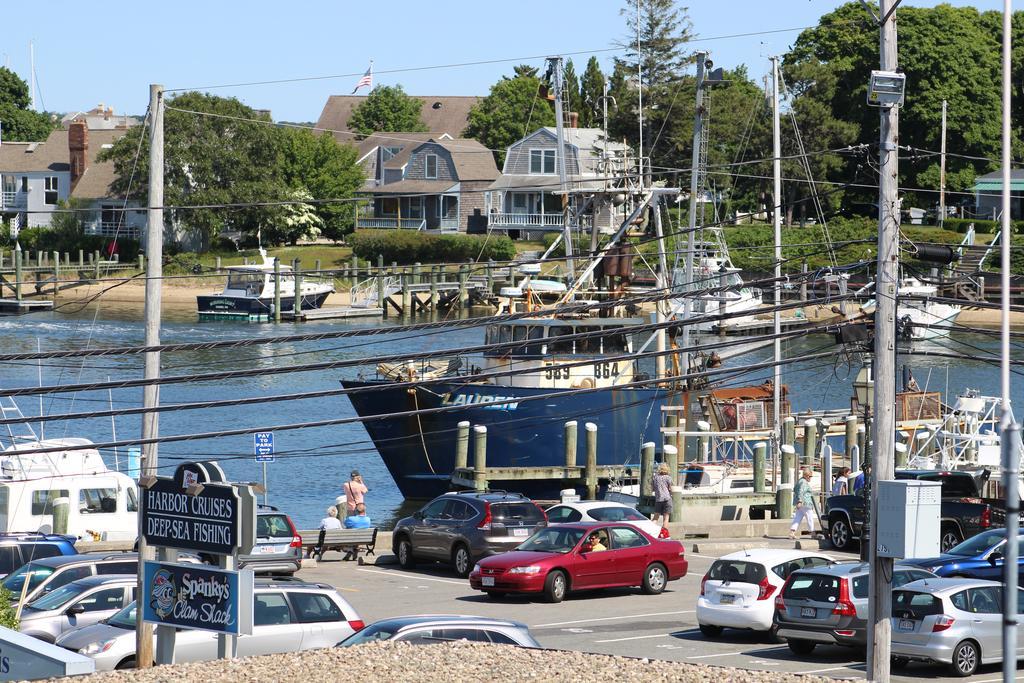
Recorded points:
556,62
151,393
884,420
698,122
777,227
266,489
1009,431
662,284
942,170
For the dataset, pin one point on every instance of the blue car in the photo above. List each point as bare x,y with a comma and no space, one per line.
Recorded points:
979,557
18,548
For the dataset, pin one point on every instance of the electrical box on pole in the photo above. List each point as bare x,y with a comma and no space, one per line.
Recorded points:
909,514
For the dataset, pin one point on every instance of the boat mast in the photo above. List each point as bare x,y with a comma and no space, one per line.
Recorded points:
695,174
777,229
555,67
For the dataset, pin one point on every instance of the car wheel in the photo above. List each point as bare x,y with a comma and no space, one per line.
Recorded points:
839,534
126,663
556,585
900,662
461,560
655,579
949,538
709,631
405,558
801,647
966,657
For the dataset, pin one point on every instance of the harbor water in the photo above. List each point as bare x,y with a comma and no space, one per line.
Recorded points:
313,463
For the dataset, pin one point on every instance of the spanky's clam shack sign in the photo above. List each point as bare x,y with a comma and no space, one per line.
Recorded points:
196,510
195,597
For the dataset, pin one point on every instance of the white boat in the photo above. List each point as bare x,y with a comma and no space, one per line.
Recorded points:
920,318
249,292
713,270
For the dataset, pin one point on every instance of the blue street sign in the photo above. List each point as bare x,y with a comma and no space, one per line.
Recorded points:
194,597
263,446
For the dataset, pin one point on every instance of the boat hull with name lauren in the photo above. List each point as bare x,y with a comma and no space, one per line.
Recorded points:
523,431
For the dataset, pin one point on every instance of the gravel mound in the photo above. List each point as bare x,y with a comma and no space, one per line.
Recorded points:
450,662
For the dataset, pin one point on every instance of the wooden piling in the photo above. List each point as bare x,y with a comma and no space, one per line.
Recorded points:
671,422
463,290
297,288
81,258
480,457
851,435
760,452
647,470
570,443
96,263
810,442
433,289
591,468
380,290
803,282
462,445
671,455
704,442
277,289
901,455
56,274
406,294
784,493
18,273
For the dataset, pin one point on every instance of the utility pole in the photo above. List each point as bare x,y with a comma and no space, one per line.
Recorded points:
777,224
640,92
691,242
151,392
886,288
662,281
1009,433
942,170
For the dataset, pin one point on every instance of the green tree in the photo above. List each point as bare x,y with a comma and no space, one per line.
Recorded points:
572,88
664,29
319,166
8,609
511,110
591,91
19,122
233,157
387,109
525,70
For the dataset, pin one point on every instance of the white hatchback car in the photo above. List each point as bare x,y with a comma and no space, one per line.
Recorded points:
739,589
603,511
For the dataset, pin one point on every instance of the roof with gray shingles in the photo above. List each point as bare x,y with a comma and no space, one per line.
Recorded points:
440,114
53,155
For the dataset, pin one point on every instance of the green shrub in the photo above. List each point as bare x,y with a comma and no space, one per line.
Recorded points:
8,609
46,239
406,247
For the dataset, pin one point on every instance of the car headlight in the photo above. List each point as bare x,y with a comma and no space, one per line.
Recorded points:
532,569
476,568
97,647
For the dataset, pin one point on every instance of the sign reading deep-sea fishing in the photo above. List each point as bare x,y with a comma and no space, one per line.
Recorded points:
195,597
205,521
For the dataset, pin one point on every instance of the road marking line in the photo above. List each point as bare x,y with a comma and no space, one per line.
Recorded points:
619,640
727,654
837,668
993,680
408,576
624,616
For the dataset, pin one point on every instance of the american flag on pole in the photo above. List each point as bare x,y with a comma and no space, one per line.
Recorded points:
366,80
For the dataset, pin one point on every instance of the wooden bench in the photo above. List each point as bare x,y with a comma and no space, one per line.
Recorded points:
348,541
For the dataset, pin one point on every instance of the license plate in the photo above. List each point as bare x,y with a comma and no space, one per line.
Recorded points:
520,532
808,612
487,580
726,599
269,549
906,625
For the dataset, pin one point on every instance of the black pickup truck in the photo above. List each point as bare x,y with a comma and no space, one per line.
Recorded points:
964,511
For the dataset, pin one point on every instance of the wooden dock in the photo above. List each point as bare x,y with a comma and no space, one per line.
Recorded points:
20,306
333,313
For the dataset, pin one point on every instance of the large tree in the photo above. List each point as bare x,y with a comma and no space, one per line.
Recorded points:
591,91
512,109
18,122
572,88
387,109
664,29
323,169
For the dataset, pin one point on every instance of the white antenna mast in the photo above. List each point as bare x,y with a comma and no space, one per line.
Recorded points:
32,74
640,93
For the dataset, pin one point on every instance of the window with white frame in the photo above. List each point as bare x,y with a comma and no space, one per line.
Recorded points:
50,189
542,161
430,164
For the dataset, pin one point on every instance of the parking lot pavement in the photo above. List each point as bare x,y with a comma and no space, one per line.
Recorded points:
620,622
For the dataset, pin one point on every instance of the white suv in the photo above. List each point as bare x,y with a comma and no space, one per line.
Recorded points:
288,616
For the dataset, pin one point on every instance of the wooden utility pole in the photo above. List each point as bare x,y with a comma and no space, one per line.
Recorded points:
777,225
691,240
942,170
151,392
886,289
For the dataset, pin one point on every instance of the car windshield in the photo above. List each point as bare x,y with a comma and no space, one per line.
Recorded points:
552,540
125,618
380,631
35,574
616,514
57,599
979,544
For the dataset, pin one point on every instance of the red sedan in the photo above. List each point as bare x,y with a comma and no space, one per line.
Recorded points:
583,556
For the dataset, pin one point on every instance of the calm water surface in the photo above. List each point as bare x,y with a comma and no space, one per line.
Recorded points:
313,463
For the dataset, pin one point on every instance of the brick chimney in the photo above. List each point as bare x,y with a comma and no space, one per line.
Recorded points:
574,120
78,150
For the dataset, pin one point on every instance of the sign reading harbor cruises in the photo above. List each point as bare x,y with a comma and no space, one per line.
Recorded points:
195,597
207,522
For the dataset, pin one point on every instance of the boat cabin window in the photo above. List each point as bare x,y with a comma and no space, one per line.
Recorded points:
97,501
563,346
42,501
251,283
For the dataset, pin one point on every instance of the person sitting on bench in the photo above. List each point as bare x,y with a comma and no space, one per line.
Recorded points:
357,521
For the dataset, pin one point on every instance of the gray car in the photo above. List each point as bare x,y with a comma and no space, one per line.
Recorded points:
426,629
278,548
77,604
49,573
957,622
829,605
288,616
462,527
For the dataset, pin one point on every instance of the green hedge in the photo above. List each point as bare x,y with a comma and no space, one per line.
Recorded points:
981,226
47,239
407,247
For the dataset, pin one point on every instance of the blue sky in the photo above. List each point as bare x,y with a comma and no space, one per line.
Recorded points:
86,56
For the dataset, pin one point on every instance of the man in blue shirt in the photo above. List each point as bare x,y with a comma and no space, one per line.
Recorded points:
862,479
358,520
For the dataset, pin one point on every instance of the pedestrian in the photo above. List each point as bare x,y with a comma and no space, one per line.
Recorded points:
331,521
355,489
359,520
841,486
662,495
862,479
803,504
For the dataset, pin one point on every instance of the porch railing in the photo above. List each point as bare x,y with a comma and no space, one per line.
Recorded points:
13,199
112,229
385,223
540,221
